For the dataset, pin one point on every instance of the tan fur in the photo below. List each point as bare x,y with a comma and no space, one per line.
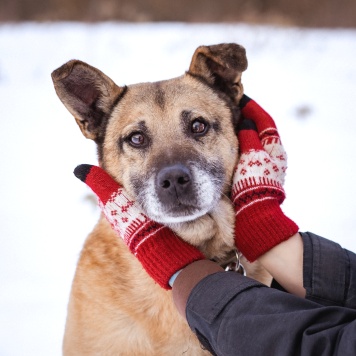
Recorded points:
114,307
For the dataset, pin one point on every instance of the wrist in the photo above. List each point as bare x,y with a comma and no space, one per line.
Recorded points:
284,262
173,278
188,278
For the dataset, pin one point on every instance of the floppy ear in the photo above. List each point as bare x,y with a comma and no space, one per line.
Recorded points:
88,94
221,67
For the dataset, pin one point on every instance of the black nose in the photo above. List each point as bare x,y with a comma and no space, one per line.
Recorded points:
173,181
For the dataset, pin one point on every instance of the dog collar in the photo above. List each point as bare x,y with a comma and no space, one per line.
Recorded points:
234,264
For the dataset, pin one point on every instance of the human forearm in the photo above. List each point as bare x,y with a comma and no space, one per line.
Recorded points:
285,263
311,266
232,314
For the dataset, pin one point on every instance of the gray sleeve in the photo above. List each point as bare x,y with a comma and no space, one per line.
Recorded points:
329,272
234,315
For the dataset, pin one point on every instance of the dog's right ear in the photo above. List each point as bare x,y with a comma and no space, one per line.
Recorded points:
221,66
88,94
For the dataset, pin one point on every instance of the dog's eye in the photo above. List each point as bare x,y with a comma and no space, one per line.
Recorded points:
199,126
137,139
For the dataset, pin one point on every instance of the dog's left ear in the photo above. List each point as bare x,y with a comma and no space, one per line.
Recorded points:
221,67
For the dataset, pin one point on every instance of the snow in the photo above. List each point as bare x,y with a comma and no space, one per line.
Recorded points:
304,78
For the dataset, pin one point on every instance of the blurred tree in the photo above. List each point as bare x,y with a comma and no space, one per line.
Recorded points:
311,13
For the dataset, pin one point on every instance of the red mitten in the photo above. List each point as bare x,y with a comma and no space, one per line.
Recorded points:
159,250
257,190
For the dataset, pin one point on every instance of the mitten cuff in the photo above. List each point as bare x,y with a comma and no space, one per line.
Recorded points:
260,227
164,254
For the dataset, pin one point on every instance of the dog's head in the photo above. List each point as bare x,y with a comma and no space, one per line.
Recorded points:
171,144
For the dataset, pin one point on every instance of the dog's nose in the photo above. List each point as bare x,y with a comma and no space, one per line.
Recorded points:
173,180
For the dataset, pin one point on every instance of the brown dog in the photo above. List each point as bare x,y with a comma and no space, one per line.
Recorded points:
153,138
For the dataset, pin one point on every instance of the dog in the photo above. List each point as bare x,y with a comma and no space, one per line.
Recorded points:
153,138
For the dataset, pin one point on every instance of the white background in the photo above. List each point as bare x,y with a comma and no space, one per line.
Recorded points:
306,79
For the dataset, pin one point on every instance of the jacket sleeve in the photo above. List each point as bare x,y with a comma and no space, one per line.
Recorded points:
234,315
329,272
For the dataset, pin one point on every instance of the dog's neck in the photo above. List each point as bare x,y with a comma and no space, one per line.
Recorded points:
213,233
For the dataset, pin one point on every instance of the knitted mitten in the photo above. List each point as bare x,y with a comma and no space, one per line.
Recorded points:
257,190
159,250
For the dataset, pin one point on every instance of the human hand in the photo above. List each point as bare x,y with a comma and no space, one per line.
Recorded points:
258,180
159,250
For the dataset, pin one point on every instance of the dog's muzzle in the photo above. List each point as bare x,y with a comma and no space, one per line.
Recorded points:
180,192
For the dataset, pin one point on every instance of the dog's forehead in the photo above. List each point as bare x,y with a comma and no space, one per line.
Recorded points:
166,100
165,91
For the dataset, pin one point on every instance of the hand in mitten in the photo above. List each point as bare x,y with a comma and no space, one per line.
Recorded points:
159,250
257,190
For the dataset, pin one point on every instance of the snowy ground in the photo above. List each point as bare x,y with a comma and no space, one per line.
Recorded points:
304,78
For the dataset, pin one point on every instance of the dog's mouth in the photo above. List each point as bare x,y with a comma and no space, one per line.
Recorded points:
179,213
179,209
